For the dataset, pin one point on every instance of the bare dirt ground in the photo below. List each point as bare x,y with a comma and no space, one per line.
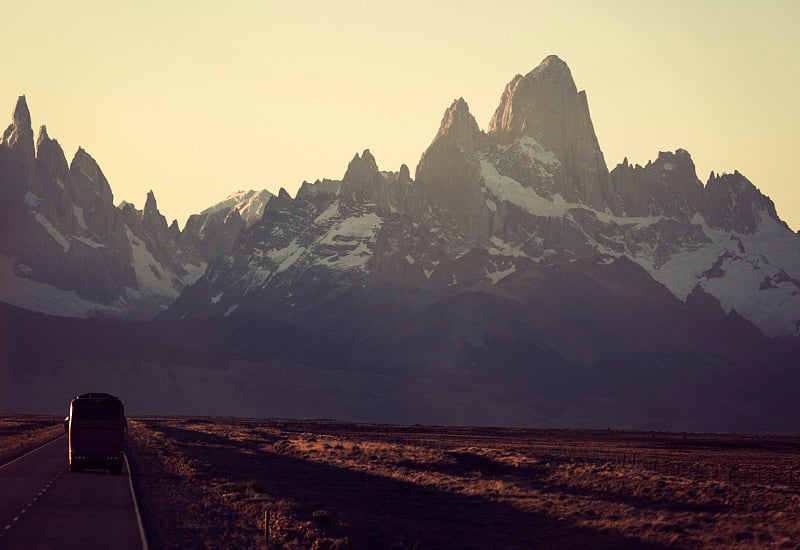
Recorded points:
21,433
207,482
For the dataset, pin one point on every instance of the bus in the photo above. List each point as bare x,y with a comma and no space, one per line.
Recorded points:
97,431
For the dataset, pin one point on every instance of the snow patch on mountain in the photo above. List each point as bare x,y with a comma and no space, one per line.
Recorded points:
78,212
538,153
88,242
502,248
328,214
153,278
738,269
507,189
55,233
499,274
355,227
287,256
250,204
35,296
349,243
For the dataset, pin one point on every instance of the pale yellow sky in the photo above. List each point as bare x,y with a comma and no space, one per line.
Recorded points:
196,100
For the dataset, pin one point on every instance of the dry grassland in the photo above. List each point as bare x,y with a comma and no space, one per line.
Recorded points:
207,482
21,433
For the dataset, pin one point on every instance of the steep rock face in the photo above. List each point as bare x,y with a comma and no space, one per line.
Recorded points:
666,187
89,178
54,175
449,172
733,203
18,137
362,174
54,233
65,248
212,233
153,221
18,169
546,106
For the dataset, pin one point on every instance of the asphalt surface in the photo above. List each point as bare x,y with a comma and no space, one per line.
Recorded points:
44,506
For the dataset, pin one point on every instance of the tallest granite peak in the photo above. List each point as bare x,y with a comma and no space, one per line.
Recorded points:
546,105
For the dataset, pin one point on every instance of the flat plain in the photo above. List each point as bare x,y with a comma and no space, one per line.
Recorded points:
235,483
21,433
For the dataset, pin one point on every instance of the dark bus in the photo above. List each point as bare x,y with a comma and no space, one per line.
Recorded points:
97,428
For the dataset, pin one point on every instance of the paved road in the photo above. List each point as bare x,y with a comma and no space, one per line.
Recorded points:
44,506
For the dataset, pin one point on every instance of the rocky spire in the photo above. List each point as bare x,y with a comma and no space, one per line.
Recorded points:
153,221
404,175
52,164
150,205
546,106
449,172
87,175
458,126
362,172
458,136
19,135
282,201
43,136
55,182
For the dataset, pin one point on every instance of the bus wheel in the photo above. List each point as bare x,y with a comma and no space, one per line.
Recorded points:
116,469
75,468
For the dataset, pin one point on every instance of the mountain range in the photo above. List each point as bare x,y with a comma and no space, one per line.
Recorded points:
513,279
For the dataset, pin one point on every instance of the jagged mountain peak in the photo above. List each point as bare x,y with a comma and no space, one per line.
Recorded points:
680,160
449,172
22,115
458,136
527,99
19,135
545,105
667,186
458,122
43,136
666,161
281,202
733,203
553,66
150,204
87,174
404,174
362,172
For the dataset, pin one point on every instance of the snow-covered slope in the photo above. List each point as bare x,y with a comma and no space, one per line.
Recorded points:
250,204
756,274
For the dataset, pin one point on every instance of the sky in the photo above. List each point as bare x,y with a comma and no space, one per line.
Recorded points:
196,100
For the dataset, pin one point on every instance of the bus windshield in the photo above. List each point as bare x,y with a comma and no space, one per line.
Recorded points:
100,408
